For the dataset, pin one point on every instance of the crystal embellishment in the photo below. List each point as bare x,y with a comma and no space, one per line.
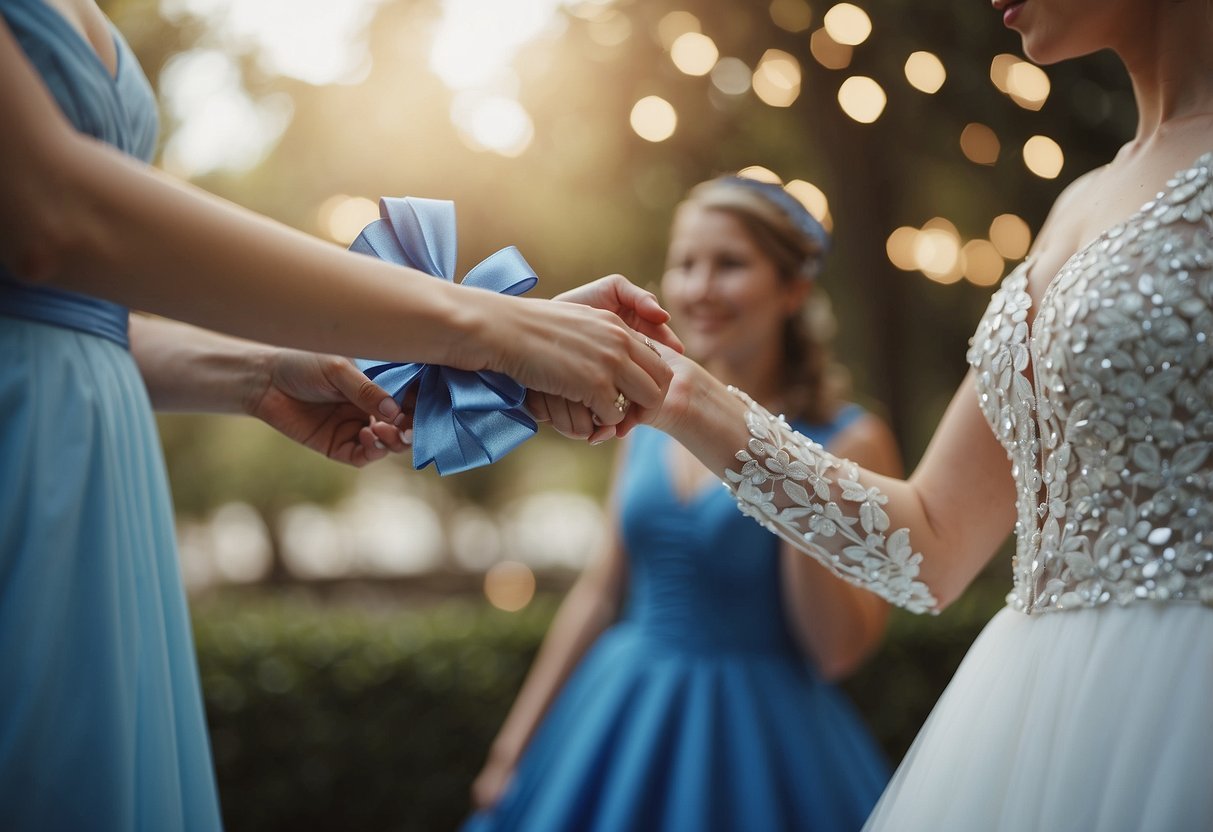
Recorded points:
1104,404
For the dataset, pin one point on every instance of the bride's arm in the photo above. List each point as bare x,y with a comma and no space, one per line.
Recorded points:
917,542
77,214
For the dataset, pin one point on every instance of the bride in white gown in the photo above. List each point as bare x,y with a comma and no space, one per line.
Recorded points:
1086,424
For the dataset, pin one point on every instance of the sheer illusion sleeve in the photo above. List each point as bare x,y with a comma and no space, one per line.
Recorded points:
815,502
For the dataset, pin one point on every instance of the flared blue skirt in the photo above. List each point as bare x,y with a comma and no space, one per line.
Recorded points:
101,718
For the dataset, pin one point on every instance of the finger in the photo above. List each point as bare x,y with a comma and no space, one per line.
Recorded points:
662,334
643,379
390,436
371,447
537,405
562,418
603,434
365,394
641,301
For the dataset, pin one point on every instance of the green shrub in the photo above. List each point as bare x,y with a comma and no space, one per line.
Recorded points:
341,718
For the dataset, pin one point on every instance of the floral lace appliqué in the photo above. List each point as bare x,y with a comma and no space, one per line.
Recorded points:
813,500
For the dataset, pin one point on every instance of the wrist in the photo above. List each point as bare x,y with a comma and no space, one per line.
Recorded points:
253,377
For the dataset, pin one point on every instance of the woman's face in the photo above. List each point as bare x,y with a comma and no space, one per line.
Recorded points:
725,294
1056,30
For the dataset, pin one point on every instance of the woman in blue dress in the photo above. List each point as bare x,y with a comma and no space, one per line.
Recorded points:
685,682
101,720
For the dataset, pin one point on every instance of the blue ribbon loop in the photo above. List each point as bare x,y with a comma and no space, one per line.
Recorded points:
462,419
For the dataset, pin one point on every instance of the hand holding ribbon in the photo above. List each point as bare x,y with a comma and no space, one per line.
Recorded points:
462,419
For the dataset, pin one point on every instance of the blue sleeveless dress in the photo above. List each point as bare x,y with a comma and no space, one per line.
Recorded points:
101,719
695,711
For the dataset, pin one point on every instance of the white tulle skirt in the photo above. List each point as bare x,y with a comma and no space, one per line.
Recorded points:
1098,719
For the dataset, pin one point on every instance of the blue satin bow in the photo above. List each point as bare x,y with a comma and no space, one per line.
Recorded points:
463,419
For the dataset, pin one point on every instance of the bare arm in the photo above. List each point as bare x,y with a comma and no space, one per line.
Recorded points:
321,401
591,606
837,624
77,214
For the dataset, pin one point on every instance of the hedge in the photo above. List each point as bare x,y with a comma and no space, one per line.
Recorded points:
342,718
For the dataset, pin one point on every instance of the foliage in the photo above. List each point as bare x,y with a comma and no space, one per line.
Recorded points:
343,718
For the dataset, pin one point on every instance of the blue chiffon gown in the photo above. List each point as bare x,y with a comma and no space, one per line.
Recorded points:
696,710
101,719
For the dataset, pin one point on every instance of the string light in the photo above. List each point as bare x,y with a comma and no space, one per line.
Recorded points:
760,174
791,15
848,24
731,76
979,144
1043,156
674,25
694,53
925,72
1010,236
777,78
509,585
654,119
861,98
983,265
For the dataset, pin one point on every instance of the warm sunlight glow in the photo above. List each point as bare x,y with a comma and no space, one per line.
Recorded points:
979,144
828,52
731,76
1011,236
654,119
791,15
925,72
694,53
983,264
861,98
492,122
1043,157
777,78
509,585
610,29
317,41
343,217
848,24
218,126
476,40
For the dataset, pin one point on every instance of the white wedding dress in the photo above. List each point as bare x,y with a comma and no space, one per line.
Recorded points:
1086,704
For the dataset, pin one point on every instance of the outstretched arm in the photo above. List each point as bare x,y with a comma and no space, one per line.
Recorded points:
77,214
321,401
917,542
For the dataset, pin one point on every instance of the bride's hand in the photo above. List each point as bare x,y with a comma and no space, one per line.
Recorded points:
576,421
325,403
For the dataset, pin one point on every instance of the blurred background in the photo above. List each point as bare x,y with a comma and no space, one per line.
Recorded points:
361,634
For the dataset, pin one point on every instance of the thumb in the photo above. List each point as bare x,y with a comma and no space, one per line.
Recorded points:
365,394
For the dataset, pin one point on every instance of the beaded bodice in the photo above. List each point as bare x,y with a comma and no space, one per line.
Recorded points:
1104,403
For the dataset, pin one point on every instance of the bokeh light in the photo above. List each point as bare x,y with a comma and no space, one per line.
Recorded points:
476,40
848,24
983,265
653,118
777,78
828,52
811,197
1028,85
343,217
925,72
900,248
509,585
694,53
492,122
674,25
791,15
1043,156
1011,236
611,28
979,144
760,174
861,98
731,76
1000,69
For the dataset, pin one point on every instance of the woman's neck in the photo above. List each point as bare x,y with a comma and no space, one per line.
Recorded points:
1167,53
